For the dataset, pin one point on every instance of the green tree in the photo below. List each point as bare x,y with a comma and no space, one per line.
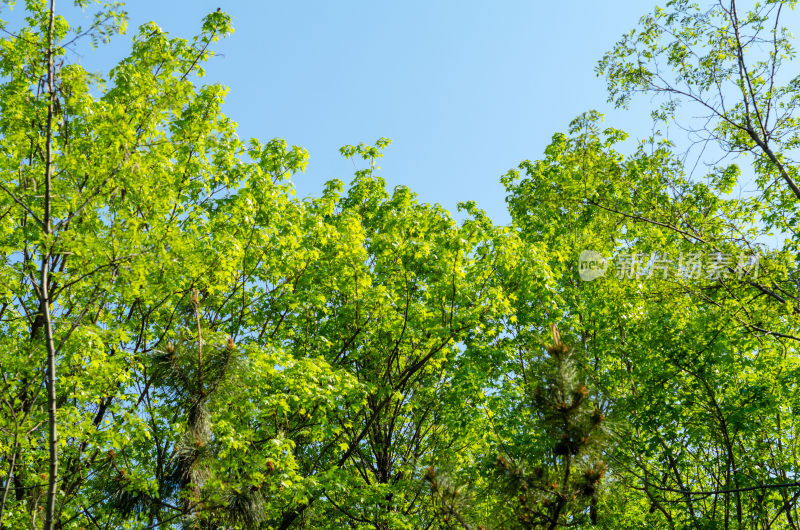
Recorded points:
227,354
548,431
183,343
121,196
688,362
395,290
728,62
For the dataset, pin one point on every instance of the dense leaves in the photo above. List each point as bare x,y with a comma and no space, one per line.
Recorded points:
186,344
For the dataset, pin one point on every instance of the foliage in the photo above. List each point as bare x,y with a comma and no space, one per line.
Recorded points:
186,344
552,470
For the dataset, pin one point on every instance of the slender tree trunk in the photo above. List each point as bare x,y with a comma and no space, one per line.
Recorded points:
10,474
44,289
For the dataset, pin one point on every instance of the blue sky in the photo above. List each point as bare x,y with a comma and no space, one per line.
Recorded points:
465,89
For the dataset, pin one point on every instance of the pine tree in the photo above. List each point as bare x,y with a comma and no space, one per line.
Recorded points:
563,486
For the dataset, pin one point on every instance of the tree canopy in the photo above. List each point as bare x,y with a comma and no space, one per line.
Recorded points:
184,343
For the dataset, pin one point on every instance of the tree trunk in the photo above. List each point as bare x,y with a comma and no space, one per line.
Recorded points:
44,290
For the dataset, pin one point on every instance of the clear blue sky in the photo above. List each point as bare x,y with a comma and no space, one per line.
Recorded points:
465,89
